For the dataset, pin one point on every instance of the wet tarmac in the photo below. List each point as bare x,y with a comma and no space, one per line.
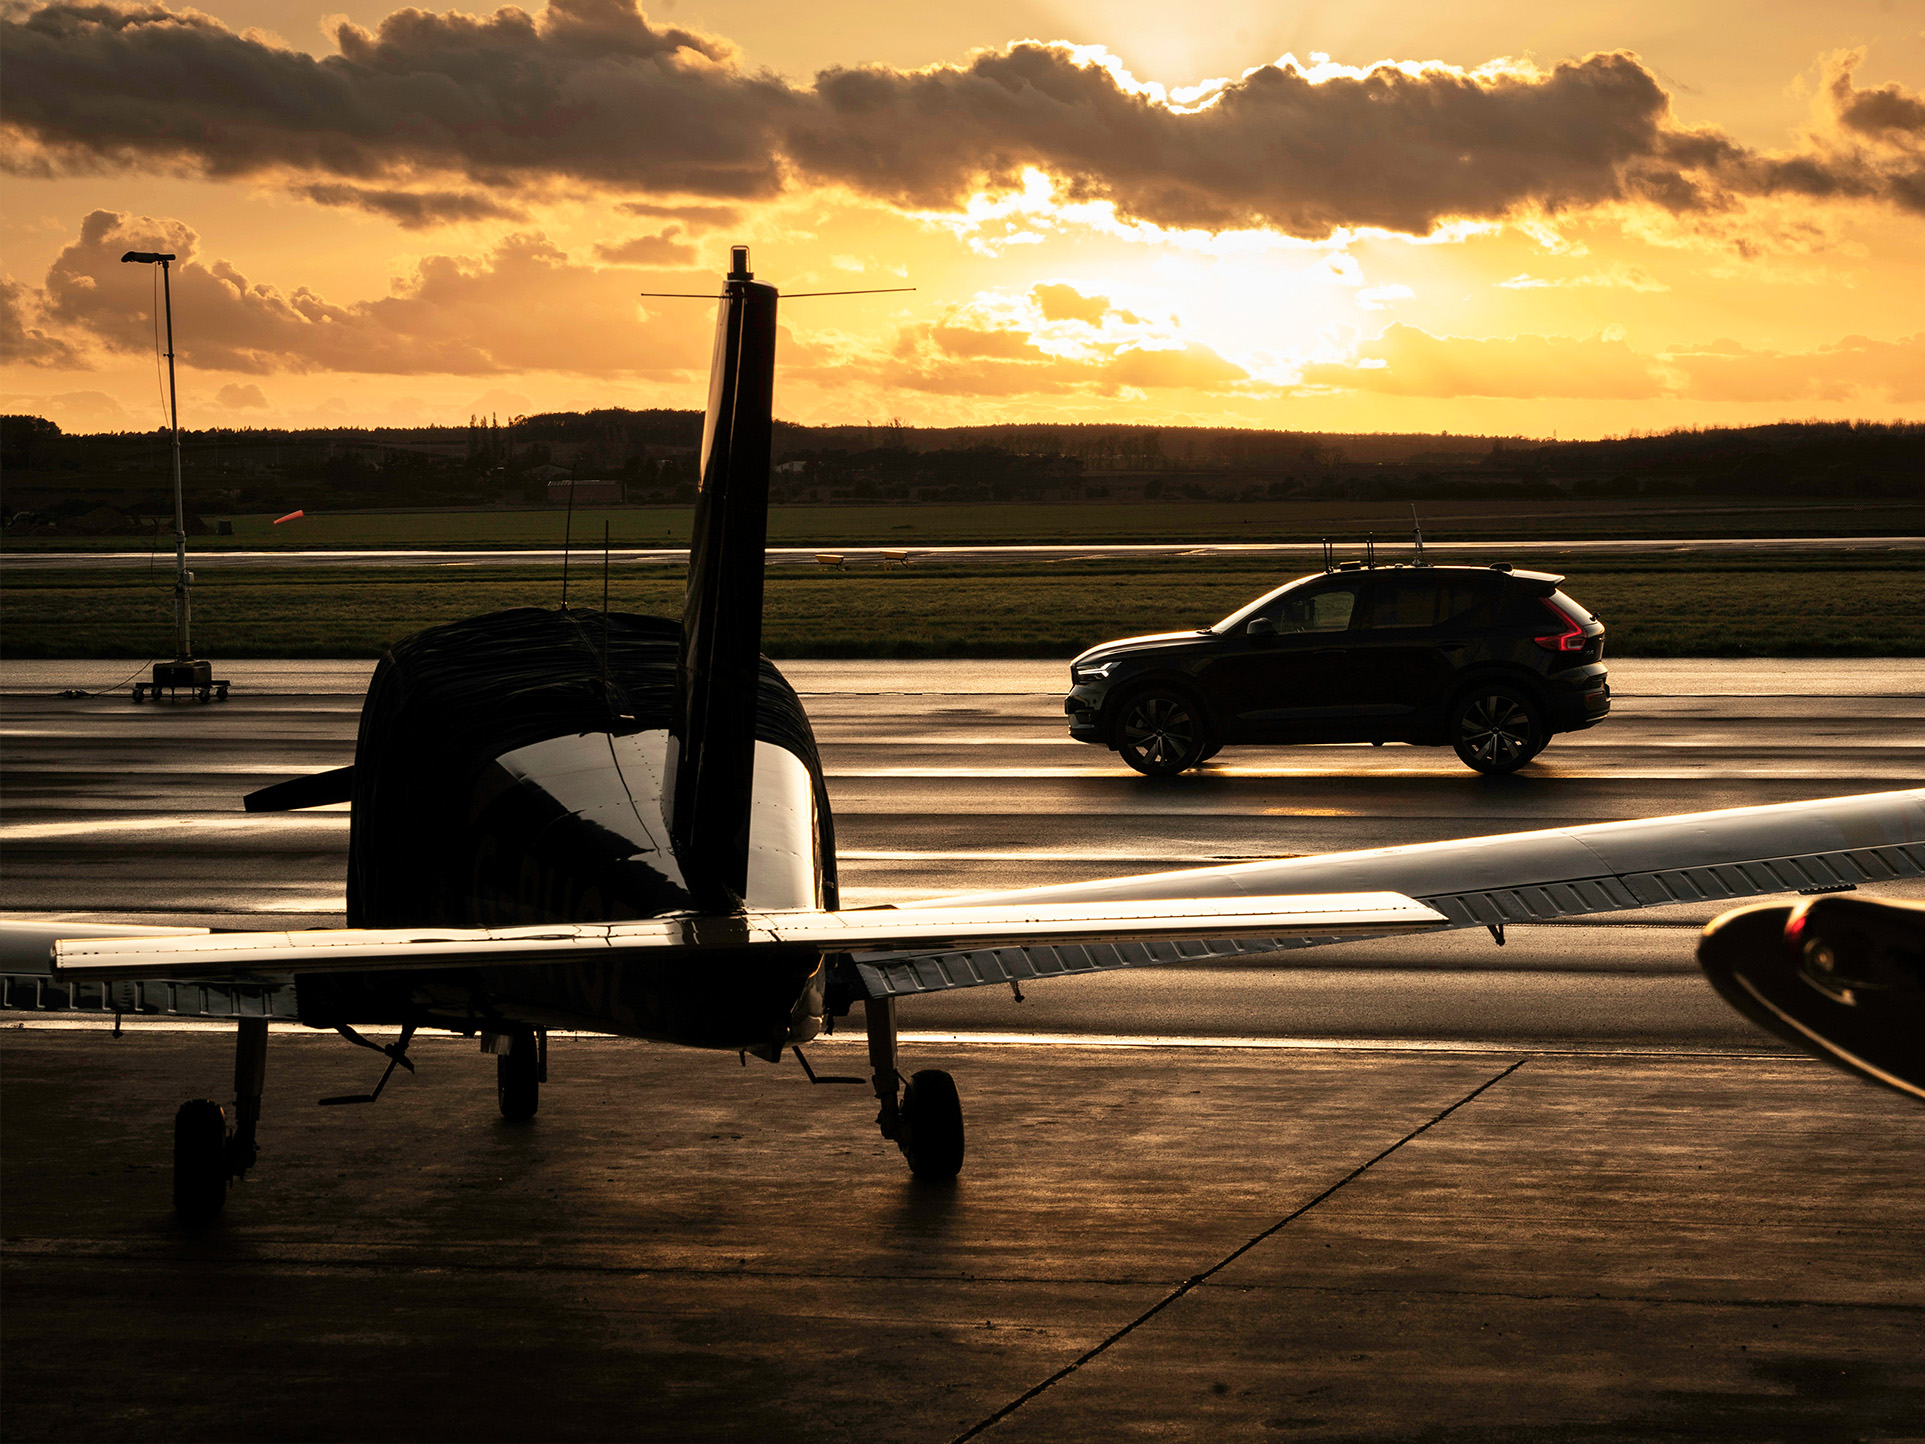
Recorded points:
1418,1189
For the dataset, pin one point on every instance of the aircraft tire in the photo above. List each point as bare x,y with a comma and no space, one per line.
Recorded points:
932,1126
200,1161
518,1079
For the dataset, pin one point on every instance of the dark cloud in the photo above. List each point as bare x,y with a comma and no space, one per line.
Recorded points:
1888,113
587,91
591,93
412,210
662,249
523,307
1275,148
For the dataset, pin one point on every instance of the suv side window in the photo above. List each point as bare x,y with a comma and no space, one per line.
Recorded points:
1404,602
1464,603
1327,610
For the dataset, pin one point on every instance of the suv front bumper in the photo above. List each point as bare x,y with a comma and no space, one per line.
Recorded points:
1084,707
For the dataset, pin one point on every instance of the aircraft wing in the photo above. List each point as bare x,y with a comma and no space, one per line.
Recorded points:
268,957
1521,877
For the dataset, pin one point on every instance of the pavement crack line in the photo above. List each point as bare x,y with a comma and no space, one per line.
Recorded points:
1196,1279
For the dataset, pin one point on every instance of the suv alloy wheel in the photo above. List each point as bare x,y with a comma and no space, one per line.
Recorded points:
1160,733
1496,729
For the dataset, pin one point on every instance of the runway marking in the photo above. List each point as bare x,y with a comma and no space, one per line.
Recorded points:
87,1022
229,769
1334,1045
333,817
1712,768
1136,857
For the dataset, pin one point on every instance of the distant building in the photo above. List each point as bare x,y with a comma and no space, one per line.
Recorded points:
587,493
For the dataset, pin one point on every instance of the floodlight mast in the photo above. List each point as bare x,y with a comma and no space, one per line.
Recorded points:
184,671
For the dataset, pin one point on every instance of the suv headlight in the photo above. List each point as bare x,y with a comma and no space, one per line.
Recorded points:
1081,672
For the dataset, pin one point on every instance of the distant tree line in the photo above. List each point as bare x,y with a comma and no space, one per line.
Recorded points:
53,478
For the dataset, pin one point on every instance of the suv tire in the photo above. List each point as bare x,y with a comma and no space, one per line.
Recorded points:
1160,732
1496,729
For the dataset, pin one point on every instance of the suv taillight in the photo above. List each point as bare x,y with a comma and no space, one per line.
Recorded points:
1569,639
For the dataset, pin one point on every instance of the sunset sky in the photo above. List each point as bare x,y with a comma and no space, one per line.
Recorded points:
1494,216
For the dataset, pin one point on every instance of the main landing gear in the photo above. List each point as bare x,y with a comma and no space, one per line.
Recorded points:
521,1067
924,1116
206,1156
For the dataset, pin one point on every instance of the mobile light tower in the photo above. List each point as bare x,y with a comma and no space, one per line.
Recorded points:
197,675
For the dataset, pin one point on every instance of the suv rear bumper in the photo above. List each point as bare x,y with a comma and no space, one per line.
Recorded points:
1579,699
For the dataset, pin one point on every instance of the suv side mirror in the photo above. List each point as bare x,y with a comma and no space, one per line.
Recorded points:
1261,627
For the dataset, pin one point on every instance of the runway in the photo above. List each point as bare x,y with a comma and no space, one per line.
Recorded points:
121,813
1430,1188
1299,553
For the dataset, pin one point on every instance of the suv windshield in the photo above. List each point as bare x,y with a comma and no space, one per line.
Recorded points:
1249,609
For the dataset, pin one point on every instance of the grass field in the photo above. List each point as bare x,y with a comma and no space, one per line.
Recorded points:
1044,523
1836,606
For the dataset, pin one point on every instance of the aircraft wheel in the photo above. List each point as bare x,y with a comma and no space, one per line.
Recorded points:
1496,729
932,1126
200,1161
518,1079
1160,733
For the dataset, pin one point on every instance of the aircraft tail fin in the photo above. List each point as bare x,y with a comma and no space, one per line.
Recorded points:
718,668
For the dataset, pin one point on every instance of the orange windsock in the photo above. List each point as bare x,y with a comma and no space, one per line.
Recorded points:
291,516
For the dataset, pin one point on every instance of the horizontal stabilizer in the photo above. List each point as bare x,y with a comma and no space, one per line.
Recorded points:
247,956
319,790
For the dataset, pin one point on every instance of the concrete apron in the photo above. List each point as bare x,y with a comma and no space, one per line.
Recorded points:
1195,1243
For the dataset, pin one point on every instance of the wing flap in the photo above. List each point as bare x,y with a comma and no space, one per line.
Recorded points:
263,956
884,977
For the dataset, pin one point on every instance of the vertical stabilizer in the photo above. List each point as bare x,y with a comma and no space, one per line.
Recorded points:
718,671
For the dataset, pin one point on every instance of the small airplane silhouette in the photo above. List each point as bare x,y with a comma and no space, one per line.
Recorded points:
578,819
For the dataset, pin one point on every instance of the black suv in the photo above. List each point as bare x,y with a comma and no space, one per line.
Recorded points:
1491,660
